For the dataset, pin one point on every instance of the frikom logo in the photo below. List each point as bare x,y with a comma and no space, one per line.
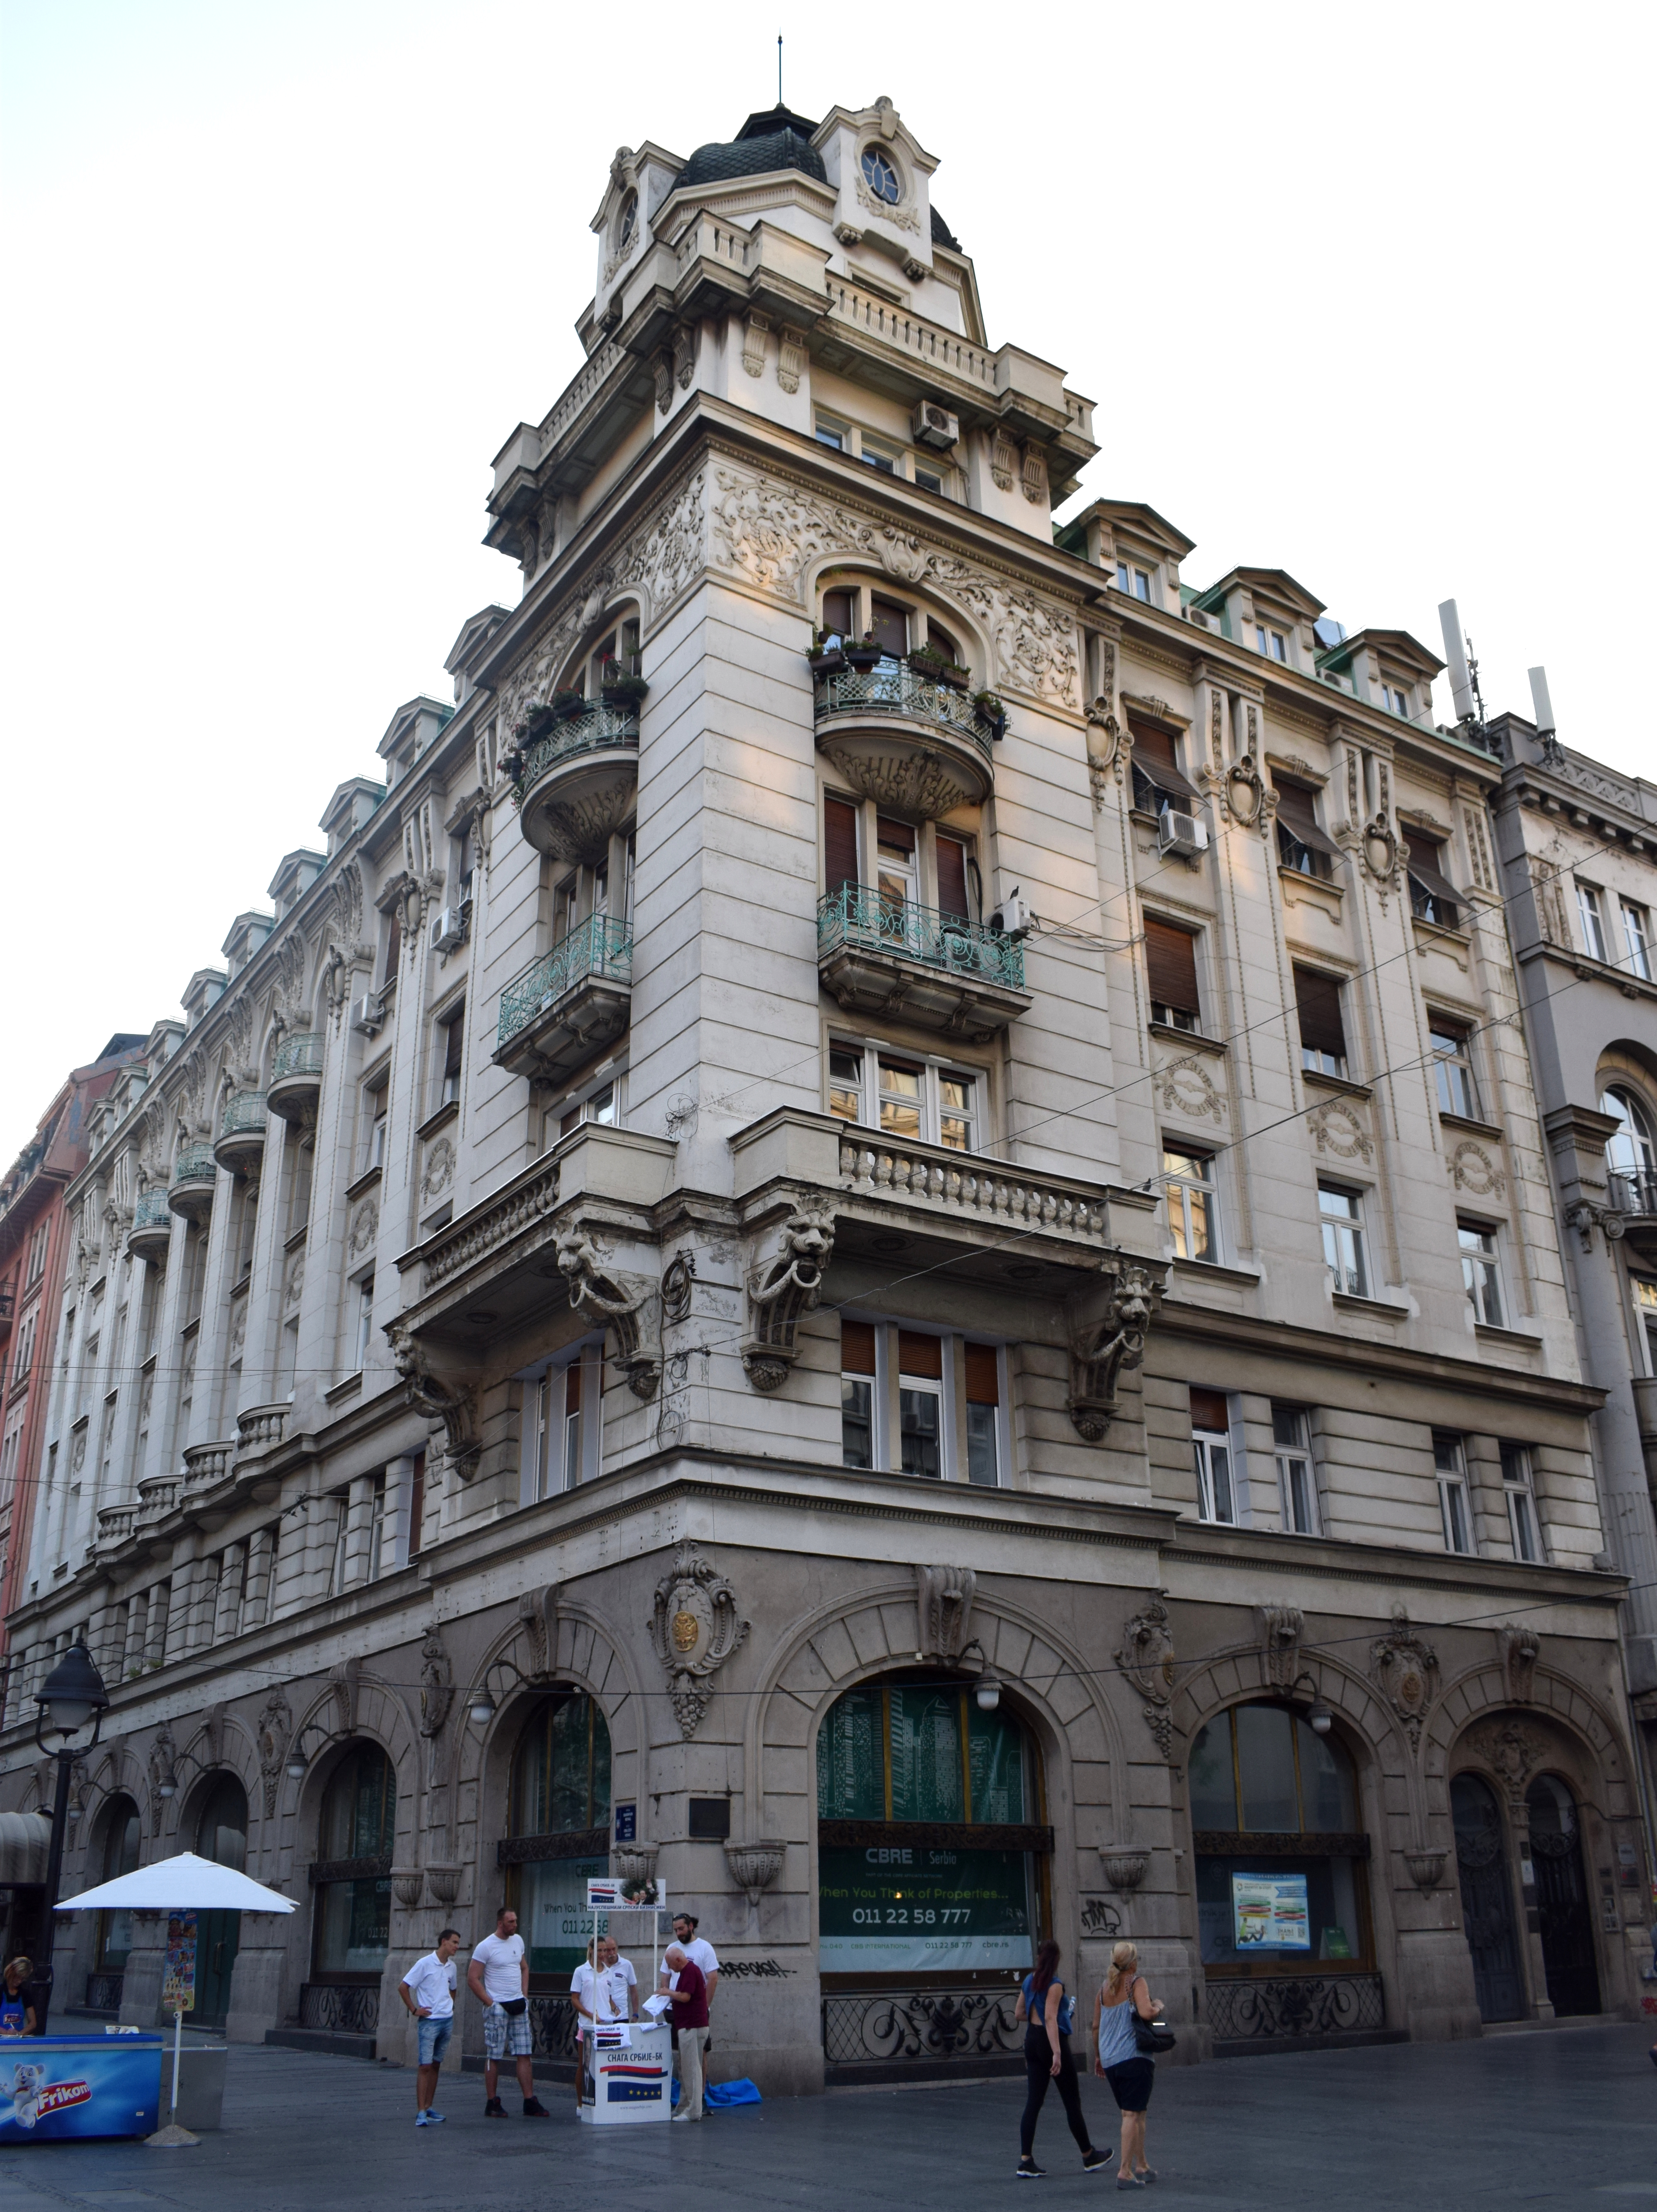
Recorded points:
61,2094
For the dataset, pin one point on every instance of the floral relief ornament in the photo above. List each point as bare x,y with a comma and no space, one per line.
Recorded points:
1472,1168
1337,1128
696,1627
1184,1086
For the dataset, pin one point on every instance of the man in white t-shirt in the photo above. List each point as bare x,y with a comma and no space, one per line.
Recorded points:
498,1978
428,1991
698,1950
604,1988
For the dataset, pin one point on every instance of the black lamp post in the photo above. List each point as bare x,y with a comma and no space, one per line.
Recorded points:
72,1695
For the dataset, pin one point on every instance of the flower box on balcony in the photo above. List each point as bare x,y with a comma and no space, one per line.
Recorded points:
621,690
566,703
865,655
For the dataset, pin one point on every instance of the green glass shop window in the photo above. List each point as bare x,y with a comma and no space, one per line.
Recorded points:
359,1821
919,1751
560,1789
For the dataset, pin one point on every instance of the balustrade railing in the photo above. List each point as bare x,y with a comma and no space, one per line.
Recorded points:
157,1495
875,1165
1633,1191
261,1426
929,342
206,1464
195,1164
600,729
857,915
894,688
600,947
115,1523
299,1053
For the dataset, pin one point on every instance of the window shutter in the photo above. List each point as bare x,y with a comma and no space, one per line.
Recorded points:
1171,958
952,878
454,1035
891,624
920,1356
1318,998
394,945
839,843
1295,811
1154,748
983,1381
1209,1410
1425,867
856,1347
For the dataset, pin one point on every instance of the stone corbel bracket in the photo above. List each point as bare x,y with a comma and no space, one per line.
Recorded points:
630,1305
1104,1348
440,1398
782,1290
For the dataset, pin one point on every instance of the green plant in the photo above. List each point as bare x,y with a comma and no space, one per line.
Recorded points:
990,706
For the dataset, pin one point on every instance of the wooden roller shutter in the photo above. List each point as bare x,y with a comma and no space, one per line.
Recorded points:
1171,958
1318,998
839,843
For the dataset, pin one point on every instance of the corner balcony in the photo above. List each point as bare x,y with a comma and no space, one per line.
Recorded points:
296,1079
239,1145
195,1179
578,783
151,1232
569,1004
881,956
916,747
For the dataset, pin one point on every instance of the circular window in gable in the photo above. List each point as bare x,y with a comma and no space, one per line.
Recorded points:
881,177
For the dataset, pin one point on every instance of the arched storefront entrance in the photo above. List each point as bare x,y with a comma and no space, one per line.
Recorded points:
1561,1897
933,1870
558,1831
351,1879
1487,1914
221,1834
118,1856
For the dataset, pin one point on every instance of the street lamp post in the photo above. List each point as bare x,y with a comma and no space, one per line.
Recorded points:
71,1695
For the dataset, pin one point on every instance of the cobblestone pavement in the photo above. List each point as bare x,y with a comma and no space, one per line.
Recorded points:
1560,2117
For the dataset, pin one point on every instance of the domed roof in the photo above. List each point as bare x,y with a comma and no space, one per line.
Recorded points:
775,138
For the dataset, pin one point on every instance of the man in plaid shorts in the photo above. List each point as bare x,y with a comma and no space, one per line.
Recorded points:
498,1978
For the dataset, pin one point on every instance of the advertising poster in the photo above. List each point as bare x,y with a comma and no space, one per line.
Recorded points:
553,1913
179,1971
75,2086
903,1909
1270,1912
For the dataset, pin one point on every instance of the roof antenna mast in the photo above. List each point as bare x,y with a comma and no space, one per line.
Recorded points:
779,69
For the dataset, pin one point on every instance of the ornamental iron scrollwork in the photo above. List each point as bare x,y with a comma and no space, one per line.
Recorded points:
965,2025
782,1292
340,2010
552,2028
1295,2004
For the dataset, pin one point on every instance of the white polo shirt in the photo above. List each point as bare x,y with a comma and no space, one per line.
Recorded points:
501,1958
605,1990
431,1982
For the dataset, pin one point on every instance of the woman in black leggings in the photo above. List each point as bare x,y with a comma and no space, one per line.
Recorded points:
1045,2012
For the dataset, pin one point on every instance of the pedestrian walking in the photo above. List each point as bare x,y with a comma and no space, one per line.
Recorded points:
498,1978
688,1987
428,1991
17,2013
1047,2014
1123,1996
605,1989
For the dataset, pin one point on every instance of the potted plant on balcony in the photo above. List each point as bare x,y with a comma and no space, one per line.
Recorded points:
828,654
538,719
620,688
956,674
927,662
868,652
565,702
991,712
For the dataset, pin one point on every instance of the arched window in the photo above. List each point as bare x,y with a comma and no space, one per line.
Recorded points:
221,1829
1280,1882
352,1877
120,1856
896,1762
559,1823
1633,1149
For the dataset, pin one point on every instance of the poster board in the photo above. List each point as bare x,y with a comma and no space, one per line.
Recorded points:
1270,1912
178,1969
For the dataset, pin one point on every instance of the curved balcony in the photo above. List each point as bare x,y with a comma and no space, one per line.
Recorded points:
578,784
239,1145
569,1003
296,1077
157,1495
195,1179
204,1465
885,955
914,746
151,1232
114,1526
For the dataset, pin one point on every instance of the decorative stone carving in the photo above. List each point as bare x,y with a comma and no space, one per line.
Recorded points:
346,1682
1184,1086
163,1758
1406,1668
790,358
1338,1127
1124,1870
365,1227
678,1277
292,1287
406,1884
275,1727
1109,748
537,1612
1004,459
627,1304
944,1611
444,1882
1146,1659
635,1863
754,1867
696,1627
1118,1342
753,328
439,1168
684,354
1519,1647
1473,1169
1426,1868
1281,1627
441,1399
663,368
1584,1217
436,1682
782,1292
1033,474
1512,1750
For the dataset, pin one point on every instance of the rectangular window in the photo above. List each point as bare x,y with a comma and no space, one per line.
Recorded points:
598,1106
917,1101
928,479
1521,1502
1433,897
1452,1068
1636,940
1136,582
377,1528
840,612
983,1378
1211,1447
895,872
451,1038
570,1427
1157,782
1594,926
889,619
839,844
375,1106
1171,967
416,1508
1645,1306
341,1506
1302,845
394,945
920,1404
1452,1471
857,1394
1481,1273
1342,1214
1295,1482
952,898
365,1320
846,1082
1271,642
1395,699
1188,1182
830,434
1323,1035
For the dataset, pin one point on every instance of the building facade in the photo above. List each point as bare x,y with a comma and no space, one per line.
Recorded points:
876,1240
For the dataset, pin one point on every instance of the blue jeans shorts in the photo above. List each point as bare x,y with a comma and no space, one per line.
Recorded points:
434,2040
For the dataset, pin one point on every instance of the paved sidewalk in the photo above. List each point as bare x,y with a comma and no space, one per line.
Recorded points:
1552,2119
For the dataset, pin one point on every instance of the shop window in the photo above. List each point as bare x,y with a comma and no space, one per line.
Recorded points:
1450,1466
560,1801
1297,1490
1520,1489
1453,1067
1323,1033
356,1837
1280,1878
1341,1214
1481,1272
1171,968
120,1856
1211,1448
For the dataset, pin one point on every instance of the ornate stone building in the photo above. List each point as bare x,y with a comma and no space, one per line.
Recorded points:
877,1238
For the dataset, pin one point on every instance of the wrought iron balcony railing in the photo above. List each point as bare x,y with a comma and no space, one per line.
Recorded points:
300,1053
598,730
894,688
243,1112
1633,1191
195,1164
152,1211
601,946
857,915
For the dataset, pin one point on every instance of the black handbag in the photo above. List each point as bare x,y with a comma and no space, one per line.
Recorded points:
1151,2036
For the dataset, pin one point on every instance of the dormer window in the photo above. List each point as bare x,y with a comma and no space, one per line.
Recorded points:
1396,700
881,177
1136,582
1271,642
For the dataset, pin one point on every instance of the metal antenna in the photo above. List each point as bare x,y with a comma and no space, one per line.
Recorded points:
1473,678
779,69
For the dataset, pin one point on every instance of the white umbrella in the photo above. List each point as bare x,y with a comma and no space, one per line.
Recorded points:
185,1883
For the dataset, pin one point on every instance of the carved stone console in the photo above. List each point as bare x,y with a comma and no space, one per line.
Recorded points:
783,1291
1103,1348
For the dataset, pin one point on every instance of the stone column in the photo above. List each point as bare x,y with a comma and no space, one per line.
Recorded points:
164,1444
261,1561
359,1529
208,1423
259,1979
265,1285
226,1613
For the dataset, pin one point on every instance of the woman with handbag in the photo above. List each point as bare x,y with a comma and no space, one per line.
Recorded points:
1128,2029
1047,2013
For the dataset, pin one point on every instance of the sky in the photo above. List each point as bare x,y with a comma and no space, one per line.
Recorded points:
1361,293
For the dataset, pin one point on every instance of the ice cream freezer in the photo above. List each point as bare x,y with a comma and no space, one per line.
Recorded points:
57,2085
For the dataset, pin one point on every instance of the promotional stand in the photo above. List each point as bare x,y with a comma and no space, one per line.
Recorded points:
632,2060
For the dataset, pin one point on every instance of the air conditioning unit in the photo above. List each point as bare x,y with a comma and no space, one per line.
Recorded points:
1180,833
1196,617
448,928
367,1015
934,425
1012,918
